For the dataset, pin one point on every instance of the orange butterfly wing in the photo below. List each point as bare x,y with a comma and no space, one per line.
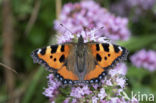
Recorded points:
54,57
95,75
106,55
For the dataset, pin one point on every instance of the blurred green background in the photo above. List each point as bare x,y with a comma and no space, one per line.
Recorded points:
28,24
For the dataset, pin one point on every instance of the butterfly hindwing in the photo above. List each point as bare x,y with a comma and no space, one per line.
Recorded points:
66,76
95,75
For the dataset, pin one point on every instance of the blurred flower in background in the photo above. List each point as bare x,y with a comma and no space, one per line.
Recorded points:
133,8
145,59
89,14
141,4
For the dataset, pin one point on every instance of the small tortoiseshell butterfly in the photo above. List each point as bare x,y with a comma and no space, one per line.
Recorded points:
80,62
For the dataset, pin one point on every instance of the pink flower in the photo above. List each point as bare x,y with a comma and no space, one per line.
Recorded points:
139,8
143,4
102,94
145,59
89,14
53,85
79,92
66,100
134,100
121,82
94,99
120,68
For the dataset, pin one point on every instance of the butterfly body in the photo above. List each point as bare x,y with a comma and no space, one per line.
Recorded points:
80,62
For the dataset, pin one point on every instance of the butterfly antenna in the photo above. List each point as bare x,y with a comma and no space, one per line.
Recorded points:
85,29
66,28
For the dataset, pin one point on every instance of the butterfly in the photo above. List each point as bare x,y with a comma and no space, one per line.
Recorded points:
80,62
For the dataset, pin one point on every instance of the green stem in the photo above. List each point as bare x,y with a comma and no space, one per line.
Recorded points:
32,88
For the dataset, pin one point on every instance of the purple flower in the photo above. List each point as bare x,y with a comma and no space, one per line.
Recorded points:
74,101
115,100
80,15
108,82
121,82
76,92
53,85
143,4
119,100
79,92
120,68
94,99
138,7
95,86
102,94
145,59
134,100
66,100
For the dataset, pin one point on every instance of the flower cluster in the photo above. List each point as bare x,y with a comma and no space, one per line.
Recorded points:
52,89
145,59
142,4
111,89
91,35
135,7
89,14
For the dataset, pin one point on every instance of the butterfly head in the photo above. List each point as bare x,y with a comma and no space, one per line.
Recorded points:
80,39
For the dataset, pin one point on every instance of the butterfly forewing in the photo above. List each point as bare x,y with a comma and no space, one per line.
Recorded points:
54,57
106,54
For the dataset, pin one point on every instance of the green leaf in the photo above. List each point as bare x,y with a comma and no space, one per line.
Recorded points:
136,43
